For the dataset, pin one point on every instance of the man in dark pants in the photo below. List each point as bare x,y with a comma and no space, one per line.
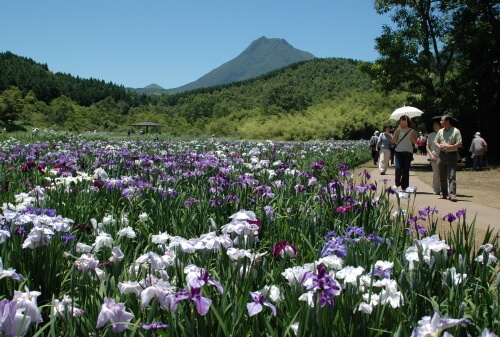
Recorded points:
448,140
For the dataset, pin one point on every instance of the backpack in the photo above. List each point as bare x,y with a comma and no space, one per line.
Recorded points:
373,141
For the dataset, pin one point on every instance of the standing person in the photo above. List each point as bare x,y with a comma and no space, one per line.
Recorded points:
433,152
449,140
404,138
421,143
393,150
384,146
373,146
478,147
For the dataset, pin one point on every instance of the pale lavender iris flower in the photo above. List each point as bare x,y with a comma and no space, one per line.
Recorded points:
259,299
435,325
115,314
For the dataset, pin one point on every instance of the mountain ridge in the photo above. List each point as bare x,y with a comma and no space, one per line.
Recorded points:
263,55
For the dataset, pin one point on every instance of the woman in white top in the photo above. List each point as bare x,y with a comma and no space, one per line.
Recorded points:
433,152
404,137
384,146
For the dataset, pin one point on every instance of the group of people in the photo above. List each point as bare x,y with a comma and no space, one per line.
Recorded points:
442,146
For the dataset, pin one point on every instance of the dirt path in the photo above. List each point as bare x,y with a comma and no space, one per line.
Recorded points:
485,216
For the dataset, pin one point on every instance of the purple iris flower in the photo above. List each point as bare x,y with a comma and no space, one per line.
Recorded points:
246,179
269,210
319,166
201,303
67,237
330,234
360,231
300,188
204,277
391,190
258,301
323,283
365,173
461,212
385,273
191,201
232,198
413,220
335,246
450,218
215,202
426,211
420,229
263,191
153,326
342,167
377,239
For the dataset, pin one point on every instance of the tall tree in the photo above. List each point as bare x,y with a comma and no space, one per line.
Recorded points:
446,53
476,31
11,105
415,55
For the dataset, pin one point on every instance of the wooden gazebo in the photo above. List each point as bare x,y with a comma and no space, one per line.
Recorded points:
147,125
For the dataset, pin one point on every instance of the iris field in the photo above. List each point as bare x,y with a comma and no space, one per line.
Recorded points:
141,237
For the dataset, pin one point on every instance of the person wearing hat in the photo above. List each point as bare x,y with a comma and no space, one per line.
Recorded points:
478,147
448,140
374,148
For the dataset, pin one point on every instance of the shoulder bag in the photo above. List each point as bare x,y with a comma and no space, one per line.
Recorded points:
406,134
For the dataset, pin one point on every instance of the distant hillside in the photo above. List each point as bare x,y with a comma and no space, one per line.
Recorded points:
262,56
28,75
313,99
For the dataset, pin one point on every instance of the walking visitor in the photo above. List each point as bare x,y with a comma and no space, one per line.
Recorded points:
384,146
478,147
433,152
404,138
373,147
448,140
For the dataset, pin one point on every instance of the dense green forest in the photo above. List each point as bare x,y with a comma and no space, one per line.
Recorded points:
316,99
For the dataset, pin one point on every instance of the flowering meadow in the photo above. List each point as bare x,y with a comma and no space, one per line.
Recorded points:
136,237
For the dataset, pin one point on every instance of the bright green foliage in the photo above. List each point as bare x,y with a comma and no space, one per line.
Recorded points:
311,100
446,53
11,105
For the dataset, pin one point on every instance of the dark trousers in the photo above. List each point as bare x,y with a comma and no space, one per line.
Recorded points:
374,155
403,163
447,164
477,162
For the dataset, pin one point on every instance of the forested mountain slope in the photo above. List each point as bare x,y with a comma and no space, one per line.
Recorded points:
326,97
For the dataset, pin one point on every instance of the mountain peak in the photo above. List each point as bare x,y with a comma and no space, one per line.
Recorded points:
262,56
153,86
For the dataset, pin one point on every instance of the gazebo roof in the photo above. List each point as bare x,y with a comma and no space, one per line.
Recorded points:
146,124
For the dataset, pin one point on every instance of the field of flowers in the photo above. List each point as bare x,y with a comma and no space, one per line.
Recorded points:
134,237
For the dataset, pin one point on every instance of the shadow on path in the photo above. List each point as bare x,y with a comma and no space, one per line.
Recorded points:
485,216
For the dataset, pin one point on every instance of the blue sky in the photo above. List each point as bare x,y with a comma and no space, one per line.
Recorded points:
172,43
